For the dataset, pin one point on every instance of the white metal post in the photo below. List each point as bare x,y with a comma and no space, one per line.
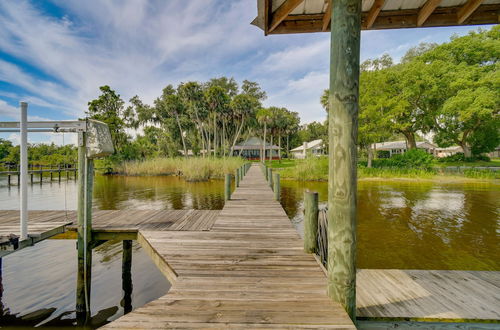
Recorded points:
24,170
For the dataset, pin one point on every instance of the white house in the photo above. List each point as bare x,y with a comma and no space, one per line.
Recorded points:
399,147
314,148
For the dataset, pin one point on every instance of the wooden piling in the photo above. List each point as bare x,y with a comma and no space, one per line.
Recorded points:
59,173
237,177
310,221
51,175
343,135
41,175
227,187
8,180
270,177
277,187
31,176
84,237
18,178
127,276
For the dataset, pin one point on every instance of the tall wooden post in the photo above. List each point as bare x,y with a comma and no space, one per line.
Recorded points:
127,276
277,187
237,177
227,187
343,132
85,189
270,177
310,221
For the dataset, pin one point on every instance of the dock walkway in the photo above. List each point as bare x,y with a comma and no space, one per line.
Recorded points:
244,267
248,271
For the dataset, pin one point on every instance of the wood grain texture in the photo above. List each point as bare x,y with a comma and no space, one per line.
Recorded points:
343,136
432,295
248,271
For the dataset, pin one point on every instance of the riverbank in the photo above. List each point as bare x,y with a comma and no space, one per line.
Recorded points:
316,169
191,169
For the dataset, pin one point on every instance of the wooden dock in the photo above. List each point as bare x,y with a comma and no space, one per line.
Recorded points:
42,226
248,271
244,267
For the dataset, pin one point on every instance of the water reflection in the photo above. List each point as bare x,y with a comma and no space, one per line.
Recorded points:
424,225
39,284
419,225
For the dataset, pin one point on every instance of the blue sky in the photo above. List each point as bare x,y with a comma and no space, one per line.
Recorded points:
55,54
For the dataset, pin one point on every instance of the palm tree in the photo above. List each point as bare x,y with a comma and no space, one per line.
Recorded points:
217,101
243,106
170,104
263,118
191,94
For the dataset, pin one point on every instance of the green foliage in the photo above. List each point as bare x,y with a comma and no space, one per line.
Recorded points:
109,108
450,90
412,159
192,169
5,146
42,154
309,169
460,157
481,174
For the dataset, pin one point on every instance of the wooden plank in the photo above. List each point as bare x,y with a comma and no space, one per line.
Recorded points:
282,12
373,14
431,295
442,16
426,11
249,270
467,10
327,17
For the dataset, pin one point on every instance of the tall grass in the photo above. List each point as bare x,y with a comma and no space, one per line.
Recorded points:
309,169
192,169
481,174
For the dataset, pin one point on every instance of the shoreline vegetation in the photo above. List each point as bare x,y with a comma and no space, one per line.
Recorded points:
316,169
309,169
191,169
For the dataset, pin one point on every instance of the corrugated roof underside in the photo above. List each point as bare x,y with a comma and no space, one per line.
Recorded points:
319,6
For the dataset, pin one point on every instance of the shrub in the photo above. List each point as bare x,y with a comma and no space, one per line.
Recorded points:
412,159
460,157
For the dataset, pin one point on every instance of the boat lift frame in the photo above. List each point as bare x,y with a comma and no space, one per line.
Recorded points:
94,141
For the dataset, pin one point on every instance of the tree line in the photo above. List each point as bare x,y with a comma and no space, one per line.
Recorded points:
206,119
448,91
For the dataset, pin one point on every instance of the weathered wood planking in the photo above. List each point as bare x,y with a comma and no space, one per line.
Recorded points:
248,271
114,219
428,294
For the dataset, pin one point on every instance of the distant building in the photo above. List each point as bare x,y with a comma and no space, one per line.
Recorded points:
449,151
251,149
495,153
314,148
400,147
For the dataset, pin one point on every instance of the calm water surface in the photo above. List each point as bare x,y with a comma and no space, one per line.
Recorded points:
419,225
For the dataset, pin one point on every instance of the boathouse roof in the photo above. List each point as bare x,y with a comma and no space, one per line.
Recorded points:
301,16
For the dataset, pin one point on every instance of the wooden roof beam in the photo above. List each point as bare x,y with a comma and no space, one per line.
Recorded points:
467,10
282,12
426,11
328,15
373,14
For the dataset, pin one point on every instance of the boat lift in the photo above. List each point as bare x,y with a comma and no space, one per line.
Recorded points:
94,141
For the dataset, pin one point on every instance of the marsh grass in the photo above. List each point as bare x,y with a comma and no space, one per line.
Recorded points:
481,174
192,169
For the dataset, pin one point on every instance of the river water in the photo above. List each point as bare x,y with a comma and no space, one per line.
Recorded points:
401,224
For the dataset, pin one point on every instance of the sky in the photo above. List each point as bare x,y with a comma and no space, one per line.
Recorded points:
55,54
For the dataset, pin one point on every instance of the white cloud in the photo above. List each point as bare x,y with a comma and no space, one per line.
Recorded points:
137,47
303,96
299,58
7,110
